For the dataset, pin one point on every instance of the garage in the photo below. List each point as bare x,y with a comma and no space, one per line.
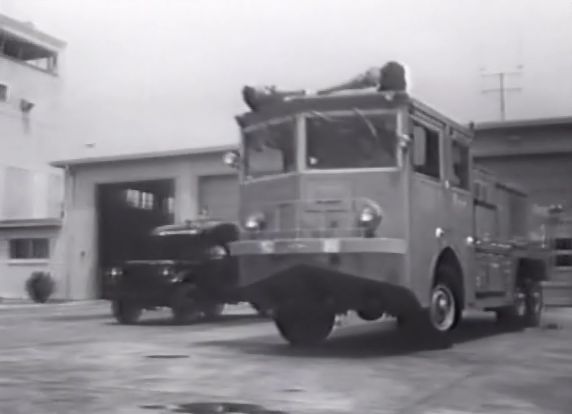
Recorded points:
218,196
112,203
127,212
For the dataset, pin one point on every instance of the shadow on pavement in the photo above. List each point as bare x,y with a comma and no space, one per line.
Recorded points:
73,318
365,341
223,320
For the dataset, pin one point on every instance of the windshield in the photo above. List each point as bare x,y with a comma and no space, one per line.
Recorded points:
270,149
174,247
351,141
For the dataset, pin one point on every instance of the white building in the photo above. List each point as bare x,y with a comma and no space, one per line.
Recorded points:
31,192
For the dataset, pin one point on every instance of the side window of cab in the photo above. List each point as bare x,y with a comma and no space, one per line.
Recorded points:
459,165
427,155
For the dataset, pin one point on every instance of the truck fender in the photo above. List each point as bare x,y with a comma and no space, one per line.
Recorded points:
448,257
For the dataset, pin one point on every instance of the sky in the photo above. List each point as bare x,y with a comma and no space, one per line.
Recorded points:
145,75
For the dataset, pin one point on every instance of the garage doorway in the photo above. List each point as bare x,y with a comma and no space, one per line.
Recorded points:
127,212
218,196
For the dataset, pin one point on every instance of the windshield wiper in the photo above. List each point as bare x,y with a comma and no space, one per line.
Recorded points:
372,129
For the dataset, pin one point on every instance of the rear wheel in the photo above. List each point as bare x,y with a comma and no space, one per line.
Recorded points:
534,304
514,316
184,305
213,310
304,327
125,312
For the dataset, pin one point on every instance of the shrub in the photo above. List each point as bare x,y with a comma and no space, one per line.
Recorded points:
40,286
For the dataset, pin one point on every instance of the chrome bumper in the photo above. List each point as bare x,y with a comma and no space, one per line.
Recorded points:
313,246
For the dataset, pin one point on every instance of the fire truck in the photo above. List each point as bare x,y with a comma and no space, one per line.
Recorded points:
370,202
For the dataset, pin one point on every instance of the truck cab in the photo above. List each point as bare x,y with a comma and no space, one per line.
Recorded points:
365,202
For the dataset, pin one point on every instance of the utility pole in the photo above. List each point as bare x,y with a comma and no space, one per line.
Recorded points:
502,89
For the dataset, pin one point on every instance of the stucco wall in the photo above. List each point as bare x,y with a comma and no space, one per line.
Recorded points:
80,222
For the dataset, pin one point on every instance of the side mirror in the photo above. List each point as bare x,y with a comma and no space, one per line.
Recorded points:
232,159
419,146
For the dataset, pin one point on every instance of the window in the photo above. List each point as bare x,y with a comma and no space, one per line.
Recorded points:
460,163
563,244
431,167
3,92
271,149
140,199
351,141
37,248
563,247
28,53
169,205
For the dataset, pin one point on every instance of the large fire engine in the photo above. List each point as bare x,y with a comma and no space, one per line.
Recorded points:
370,202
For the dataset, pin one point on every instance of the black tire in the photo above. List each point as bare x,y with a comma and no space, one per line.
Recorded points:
432,327
514,316
264,313
303,327
369,315
212,311
125,312
184,306
534,304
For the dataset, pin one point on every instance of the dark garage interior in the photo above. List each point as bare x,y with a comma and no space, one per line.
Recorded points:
127,212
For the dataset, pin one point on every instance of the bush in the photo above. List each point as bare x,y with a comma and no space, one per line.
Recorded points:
40,286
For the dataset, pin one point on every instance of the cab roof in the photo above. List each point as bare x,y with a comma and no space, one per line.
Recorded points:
343,101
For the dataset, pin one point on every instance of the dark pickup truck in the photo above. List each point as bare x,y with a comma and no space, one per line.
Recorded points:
190,271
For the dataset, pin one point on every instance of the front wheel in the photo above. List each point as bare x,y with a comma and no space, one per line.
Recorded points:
262,312
304,327
126,313
433,326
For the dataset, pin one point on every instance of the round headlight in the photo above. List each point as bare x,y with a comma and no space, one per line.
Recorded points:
254,222
167,271
115,271
217,252
370,217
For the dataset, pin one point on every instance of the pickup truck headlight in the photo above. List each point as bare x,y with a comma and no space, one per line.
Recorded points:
115,272
255,222
217,253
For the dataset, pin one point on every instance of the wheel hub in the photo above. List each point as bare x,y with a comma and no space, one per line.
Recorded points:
442,308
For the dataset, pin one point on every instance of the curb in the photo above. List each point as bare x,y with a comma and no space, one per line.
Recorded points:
30,305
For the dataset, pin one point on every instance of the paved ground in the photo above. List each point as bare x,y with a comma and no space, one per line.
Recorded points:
74,359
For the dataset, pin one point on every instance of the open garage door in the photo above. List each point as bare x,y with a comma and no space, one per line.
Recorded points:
127,212
218,195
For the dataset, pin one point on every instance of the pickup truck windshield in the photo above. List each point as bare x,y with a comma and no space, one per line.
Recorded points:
270,149
351,141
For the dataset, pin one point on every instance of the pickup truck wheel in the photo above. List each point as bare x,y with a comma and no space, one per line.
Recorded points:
264,313
304,327
125,312
213,310
514,316
370,315
534,304
184,305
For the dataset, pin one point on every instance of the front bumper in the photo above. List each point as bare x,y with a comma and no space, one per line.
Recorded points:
318,246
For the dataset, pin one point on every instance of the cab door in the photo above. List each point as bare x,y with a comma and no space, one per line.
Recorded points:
459,203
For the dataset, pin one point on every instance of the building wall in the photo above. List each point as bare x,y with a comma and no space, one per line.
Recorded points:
29,187
15,272
80,221
538,158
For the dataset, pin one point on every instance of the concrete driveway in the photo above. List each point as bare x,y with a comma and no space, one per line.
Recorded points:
74,359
